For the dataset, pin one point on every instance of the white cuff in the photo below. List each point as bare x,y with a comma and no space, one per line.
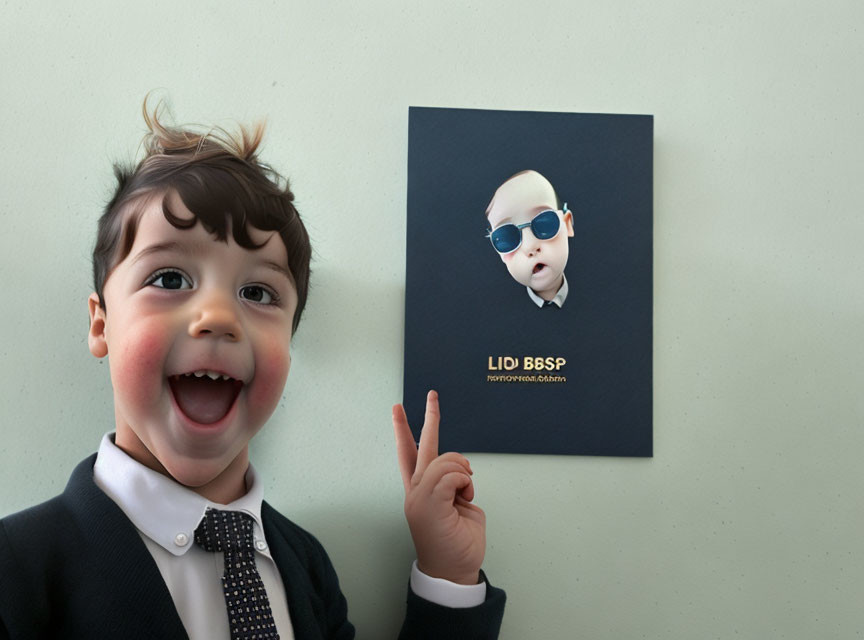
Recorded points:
446,593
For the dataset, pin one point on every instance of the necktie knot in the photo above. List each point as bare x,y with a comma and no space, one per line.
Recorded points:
225,531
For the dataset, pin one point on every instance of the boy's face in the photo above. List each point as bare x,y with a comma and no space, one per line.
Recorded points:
538,264
182,302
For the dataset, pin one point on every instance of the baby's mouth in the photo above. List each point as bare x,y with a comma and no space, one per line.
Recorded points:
202,398
538,268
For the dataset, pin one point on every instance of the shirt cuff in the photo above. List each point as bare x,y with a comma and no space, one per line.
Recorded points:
446,593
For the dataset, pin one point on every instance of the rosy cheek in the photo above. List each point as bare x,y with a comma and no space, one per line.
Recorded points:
271,371
137,371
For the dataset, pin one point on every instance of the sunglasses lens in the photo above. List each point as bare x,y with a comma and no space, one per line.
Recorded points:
506,238
545,225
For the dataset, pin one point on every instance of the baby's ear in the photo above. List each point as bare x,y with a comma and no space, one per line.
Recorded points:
568,223
96,336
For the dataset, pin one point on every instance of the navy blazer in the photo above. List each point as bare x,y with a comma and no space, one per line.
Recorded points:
76,567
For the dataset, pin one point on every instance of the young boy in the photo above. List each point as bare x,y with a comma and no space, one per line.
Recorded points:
201,271
525,223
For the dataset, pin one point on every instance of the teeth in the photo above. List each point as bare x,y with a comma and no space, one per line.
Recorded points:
213,375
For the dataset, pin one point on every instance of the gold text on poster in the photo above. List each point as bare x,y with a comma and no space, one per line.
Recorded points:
528,363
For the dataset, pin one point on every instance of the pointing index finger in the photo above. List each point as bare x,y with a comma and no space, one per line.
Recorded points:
428,450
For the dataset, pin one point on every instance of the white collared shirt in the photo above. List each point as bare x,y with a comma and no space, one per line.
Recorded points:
559,298
166,515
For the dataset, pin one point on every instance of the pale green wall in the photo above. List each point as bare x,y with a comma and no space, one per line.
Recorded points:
746,523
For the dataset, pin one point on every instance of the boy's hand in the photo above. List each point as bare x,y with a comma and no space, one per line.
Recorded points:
449,532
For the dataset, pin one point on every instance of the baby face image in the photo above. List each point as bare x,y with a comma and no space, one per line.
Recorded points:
528,201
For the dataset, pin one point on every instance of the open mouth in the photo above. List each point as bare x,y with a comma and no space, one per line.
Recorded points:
538,268
205,397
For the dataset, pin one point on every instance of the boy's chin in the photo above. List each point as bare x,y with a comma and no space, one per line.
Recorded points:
525,281
197,473
191,465
545,279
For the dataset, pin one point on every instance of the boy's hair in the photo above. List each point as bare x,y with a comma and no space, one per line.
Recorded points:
220,180
515,175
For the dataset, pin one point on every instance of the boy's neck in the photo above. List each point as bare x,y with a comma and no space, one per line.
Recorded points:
225,488
551,292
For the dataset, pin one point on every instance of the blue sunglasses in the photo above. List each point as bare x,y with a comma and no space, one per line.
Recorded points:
508,237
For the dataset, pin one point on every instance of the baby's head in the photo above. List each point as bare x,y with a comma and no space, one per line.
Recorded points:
534,262
201,270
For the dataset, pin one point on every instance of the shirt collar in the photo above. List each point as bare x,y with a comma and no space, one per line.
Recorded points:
160,507
559,298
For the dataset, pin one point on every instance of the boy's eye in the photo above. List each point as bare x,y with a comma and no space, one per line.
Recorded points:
169,279
174,280
259,294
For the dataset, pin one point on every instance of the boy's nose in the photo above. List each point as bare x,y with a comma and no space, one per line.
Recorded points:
530,243
216,316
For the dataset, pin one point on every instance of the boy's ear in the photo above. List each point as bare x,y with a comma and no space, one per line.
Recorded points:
568,223
96,336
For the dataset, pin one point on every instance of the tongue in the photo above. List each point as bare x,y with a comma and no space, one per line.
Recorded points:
202,399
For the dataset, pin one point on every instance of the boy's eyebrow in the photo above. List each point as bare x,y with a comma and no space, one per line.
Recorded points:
196,248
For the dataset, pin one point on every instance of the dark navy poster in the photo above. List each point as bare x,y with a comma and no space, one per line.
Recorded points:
528,302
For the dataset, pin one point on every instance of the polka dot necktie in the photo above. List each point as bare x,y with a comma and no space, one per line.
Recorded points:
249,614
